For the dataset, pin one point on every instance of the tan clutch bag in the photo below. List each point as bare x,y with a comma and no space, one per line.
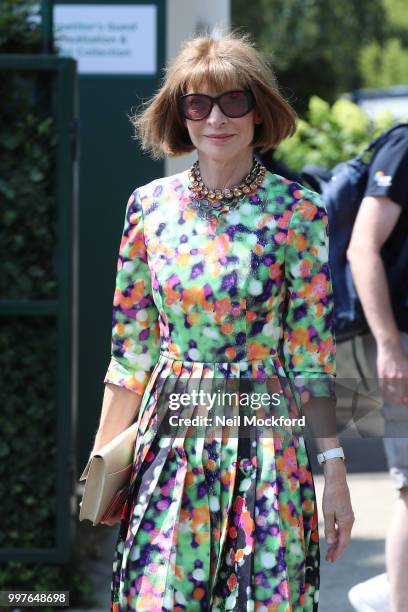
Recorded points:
107,475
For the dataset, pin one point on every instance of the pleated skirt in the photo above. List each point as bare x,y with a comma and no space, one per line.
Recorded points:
221,518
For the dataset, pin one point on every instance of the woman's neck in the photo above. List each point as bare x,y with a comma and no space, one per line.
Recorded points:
220,174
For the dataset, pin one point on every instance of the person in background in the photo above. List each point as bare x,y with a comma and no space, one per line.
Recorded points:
276,166
379,233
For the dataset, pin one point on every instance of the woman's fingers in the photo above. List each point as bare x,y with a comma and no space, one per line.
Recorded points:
342,542
342,539
338,514
329,527
330,533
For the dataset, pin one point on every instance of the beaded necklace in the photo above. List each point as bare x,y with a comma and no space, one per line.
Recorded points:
207,201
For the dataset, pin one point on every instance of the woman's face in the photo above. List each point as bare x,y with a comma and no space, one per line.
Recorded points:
219,137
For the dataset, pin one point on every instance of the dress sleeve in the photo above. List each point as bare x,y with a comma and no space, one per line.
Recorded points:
135,343
309,345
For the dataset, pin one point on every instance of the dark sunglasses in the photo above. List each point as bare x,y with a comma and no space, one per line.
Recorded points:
233,104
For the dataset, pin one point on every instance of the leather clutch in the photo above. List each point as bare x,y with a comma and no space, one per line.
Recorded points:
107,476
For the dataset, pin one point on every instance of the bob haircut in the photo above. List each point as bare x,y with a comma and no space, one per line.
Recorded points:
224,63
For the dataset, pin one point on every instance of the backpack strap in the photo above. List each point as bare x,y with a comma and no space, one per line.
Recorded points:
314,175
357,363
377,142
398,269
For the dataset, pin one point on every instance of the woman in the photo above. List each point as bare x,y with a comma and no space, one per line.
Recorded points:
222,283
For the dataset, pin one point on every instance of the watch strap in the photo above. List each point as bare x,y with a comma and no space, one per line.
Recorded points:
331,453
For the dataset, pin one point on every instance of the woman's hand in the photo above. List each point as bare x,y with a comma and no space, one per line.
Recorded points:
337,510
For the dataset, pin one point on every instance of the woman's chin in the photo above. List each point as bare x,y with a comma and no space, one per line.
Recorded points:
221,152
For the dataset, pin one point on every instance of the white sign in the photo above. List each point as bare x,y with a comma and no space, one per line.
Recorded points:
108,38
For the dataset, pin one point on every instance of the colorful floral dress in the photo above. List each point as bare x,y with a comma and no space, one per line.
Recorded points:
218,520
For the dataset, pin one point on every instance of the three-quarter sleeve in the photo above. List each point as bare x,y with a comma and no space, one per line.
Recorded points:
309,345
135,343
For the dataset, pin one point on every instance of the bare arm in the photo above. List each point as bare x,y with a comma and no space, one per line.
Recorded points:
375,221
119,407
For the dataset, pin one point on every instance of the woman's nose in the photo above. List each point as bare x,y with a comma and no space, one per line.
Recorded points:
216,116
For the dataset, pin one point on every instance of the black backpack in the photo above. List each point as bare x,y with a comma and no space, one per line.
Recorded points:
342,190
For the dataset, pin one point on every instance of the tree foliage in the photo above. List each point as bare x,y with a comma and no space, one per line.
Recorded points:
397,15
385,64
326,47
19,26
313,44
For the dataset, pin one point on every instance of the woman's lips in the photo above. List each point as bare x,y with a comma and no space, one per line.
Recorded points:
219,137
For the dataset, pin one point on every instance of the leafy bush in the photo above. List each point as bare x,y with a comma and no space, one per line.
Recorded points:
331,134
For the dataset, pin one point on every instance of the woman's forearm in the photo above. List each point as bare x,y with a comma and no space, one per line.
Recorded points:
119,408
324,444
321,422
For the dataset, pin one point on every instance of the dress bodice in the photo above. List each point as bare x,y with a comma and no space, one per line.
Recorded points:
254,284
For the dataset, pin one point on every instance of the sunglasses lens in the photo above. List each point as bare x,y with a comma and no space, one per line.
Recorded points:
196,107
232,104
235,104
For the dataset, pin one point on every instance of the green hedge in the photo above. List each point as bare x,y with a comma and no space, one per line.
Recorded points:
27,201
28,344
28,424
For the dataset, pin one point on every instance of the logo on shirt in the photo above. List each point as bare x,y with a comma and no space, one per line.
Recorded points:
381,179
